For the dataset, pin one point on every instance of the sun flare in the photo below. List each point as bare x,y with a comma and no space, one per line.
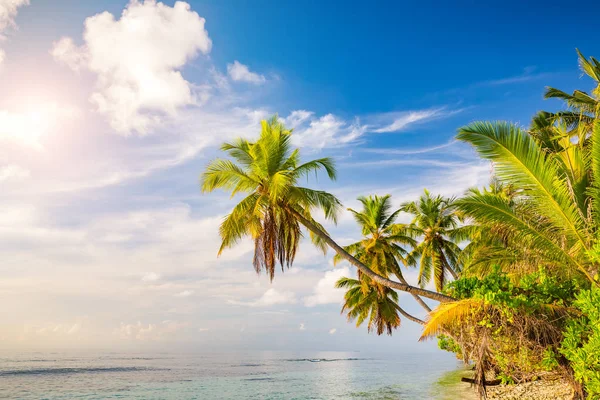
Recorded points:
29,125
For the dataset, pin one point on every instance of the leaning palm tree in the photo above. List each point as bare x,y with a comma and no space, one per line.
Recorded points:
383,245
378,304
275,207
435,222
268,171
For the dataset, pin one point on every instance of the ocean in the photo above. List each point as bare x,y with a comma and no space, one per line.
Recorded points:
260,375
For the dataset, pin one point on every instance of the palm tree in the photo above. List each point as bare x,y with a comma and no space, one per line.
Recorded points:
379,304
583,105
267,171
436,222
382,246
554,213
490,245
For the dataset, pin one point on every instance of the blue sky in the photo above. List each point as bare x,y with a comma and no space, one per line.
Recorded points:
106,123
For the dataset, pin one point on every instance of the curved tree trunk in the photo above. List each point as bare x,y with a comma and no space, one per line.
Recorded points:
407,315
448,267
366,270
417,297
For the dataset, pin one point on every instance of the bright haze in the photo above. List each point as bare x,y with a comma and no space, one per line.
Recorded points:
110,110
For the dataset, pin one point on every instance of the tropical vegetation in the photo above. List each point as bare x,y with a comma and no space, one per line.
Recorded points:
514,267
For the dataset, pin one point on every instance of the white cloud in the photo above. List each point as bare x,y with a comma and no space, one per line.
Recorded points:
13,172
270,298
332,331
273,296
137,60
240,73
185,293
149,332
403,120
297,117
150,277
53,329
323,132
403,152
8,12
65,51
325,291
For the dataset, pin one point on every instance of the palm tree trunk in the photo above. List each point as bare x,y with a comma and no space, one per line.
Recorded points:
442,298
417,297
407,315
448,267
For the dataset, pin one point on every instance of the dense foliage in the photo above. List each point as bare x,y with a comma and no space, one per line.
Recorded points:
581,344
512,330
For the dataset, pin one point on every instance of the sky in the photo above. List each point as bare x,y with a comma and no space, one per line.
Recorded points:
110,110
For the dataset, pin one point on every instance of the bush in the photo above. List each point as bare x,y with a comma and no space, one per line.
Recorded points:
512,328
581,343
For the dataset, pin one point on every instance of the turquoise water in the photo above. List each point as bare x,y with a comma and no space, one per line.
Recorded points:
268,375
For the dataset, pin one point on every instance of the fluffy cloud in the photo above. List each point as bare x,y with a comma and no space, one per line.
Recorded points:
137,60
8,12
325,291
240,73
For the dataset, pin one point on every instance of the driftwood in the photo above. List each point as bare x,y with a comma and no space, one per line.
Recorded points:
494,382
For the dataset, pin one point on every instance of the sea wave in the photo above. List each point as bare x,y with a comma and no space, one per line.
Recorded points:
259,379
66,371
248,365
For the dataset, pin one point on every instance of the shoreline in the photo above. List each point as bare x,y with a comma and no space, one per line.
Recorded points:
449,387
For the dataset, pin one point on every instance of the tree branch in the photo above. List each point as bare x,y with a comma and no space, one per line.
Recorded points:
407,315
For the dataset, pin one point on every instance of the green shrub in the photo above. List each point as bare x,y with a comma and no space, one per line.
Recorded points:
581,343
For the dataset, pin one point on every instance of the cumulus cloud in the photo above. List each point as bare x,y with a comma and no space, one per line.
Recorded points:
8,12
137,61
325,291
241,73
